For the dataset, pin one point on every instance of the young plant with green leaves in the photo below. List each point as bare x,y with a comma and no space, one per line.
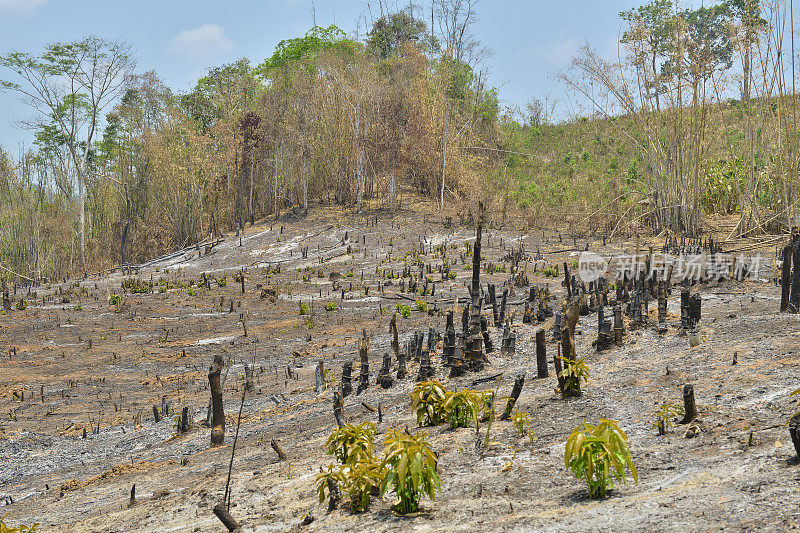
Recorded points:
598,455
461,408
409,466
427,401
574,371
403,310
664,417
351,444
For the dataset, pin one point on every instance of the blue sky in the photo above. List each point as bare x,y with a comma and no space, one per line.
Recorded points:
180,39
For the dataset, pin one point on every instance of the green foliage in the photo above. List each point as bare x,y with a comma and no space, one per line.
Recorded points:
222,282
391,31
522,422
422,306
664,417
78,308
410,469
351,444
22,305
574,372
598,455
5,528
403,310
331,306
303,308
427,401
550,272
315,40
114,299
461,408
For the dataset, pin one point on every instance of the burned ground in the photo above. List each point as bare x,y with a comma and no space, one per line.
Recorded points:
72,362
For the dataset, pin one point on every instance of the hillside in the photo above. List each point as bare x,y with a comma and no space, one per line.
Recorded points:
77,362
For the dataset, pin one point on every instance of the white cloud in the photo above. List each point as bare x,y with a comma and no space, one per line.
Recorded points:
204,42
20,6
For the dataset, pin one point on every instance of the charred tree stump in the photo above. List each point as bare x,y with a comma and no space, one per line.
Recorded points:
558,366
786,276
695,304
186,420
248,375
493,300
685,296
338,408
218,411
794,432
363,353
221,512
662,308
156,414
385,379
503,303
689,407
401,366
334,494
278,449
618,327
794,298
512,400
541,354
487,341
347,379
557,328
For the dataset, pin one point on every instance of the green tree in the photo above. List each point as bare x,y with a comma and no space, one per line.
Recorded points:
390,32
70,84
649,35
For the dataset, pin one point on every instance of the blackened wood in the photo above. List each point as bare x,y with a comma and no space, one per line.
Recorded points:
218,411
541,354
689,407
221,512
512,400
786,274
794,432
794,298
278,449
347,378
559,368
156,414
338,408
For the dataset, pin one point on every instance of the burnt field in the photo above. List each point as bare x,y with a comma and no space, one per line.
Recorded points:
89,364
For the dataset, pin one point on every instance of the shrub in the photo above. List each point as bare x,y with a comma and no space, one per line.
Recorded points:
303,308
426,401
222,282
574,371
422,306
331,306
550,272
522,422
351,444
403,310
598,455
410,470
461,408
22,305
77,308
114,299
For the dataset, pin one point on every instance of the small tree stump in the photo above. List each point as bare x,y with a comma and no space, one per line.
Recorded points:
689,407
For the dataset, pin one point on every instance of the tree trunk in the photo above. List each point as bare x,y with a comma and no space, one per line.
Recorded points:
218,412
